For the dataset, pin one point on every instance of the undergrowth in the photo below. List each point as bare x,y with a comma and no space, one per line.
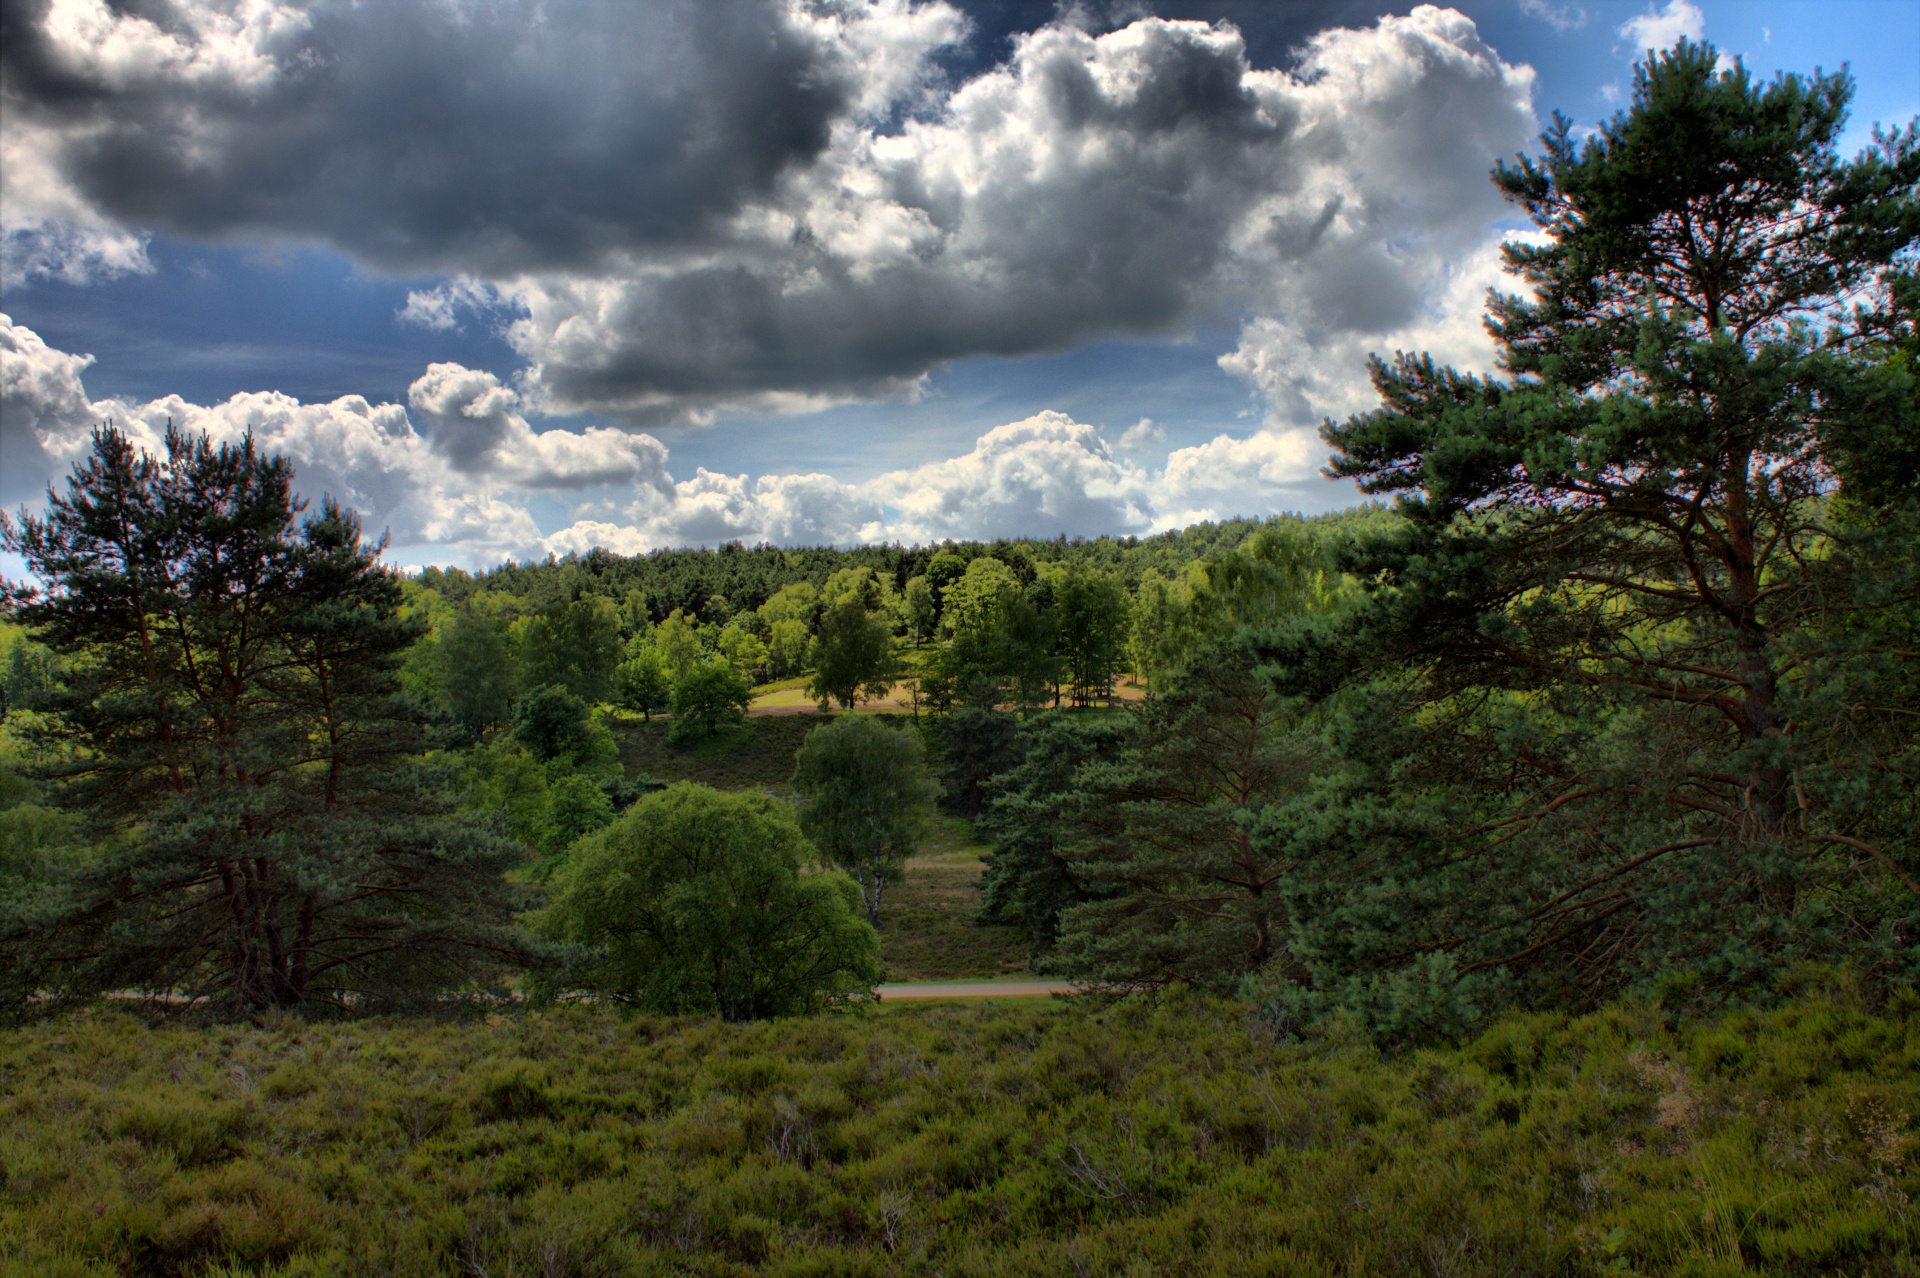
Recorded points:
1169,1136
755,754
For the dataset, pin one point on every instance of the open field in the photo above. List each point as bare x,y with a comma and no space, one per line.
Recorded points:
1043,1137
927,932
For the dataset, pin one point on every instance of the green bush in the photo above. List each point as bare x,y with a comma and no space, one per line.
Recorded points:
698,901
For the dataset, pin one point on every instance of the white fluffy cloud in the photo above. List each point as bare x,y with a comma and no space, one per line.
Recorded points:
456,472
1308,373
1039,477
769,204
1660,28
1132,182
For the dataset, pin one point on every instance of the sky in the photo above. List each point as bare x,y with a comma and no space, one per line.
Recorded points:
525,277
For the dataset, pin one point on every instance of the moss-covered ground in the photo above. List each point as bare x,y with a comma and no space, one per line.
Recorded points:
1152,1137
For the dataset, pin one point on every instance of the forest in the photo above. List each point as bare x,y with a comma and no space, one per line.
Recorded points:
1516,873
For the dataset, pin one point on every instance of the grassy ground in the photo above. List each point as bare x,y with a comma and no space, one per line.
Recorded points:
754,755
927,931
1152,1137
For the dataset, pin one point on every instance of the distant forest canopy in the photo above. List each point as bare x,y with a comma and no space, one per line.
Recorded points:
747,576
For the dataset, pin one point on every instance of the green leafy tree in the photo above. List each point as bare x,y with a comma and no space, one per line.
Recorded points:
235,741
695,901
30,675
787,643
576,806
641,682
943,570
678,641
708,696
852,654
867,799
552,723
922,613
796,601
976,603
744,652
636,617
476,670
574,645
1093,616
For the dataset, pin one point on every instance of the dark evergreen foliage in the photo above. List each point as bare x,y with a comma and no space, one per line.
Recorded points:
232,729
1033,814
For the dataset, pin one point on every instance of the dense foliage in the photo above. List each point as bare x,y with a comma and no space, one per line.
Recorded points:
1170,1136
230,726
1623,693
867,799
699,901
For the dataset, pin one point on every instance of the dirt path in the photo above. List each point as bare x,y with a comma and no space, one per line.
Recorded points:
975,989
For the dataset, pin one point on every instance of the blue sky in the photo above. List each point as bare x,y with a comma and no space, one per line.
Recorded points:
1000,316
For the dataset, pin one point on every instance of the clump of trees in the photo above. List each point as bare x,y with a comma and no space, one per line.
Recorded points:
1619,694
1622,691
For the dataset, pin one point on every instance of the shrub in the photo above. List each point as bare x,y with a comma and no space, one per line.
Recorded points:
699,901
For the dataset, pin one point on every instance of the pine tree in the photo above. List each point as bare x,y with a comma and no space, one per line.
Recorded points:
1634,505
1624,571
1170,842
235,735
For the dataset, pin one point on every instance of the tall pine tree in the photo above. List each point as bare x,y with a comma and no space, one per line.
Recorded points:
233,728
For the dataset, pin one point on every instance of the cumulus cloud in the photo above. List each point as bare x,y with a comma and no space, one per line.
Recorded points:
415,134
775,204
454,473
1134,182
1039,477
1661,28
473,422
459,478
1307,372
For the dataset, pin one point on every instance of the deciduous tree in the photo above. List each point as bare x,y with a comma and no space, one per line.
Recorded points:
867,798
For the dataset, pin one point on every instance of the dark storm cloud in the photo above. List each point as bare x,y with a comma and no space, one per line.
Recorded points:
413,134
776,204
1136,182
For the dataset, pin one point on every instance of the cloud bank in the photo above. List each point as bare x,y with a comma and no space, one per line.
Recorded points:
457,473
772,205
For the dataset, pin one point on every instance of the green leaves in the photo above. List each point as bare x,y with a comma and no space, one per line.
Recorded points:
867,798
696,901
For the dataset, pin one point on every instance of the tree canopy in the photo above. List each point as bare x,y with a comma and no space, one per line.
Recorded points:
696,901
867,798
232,728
